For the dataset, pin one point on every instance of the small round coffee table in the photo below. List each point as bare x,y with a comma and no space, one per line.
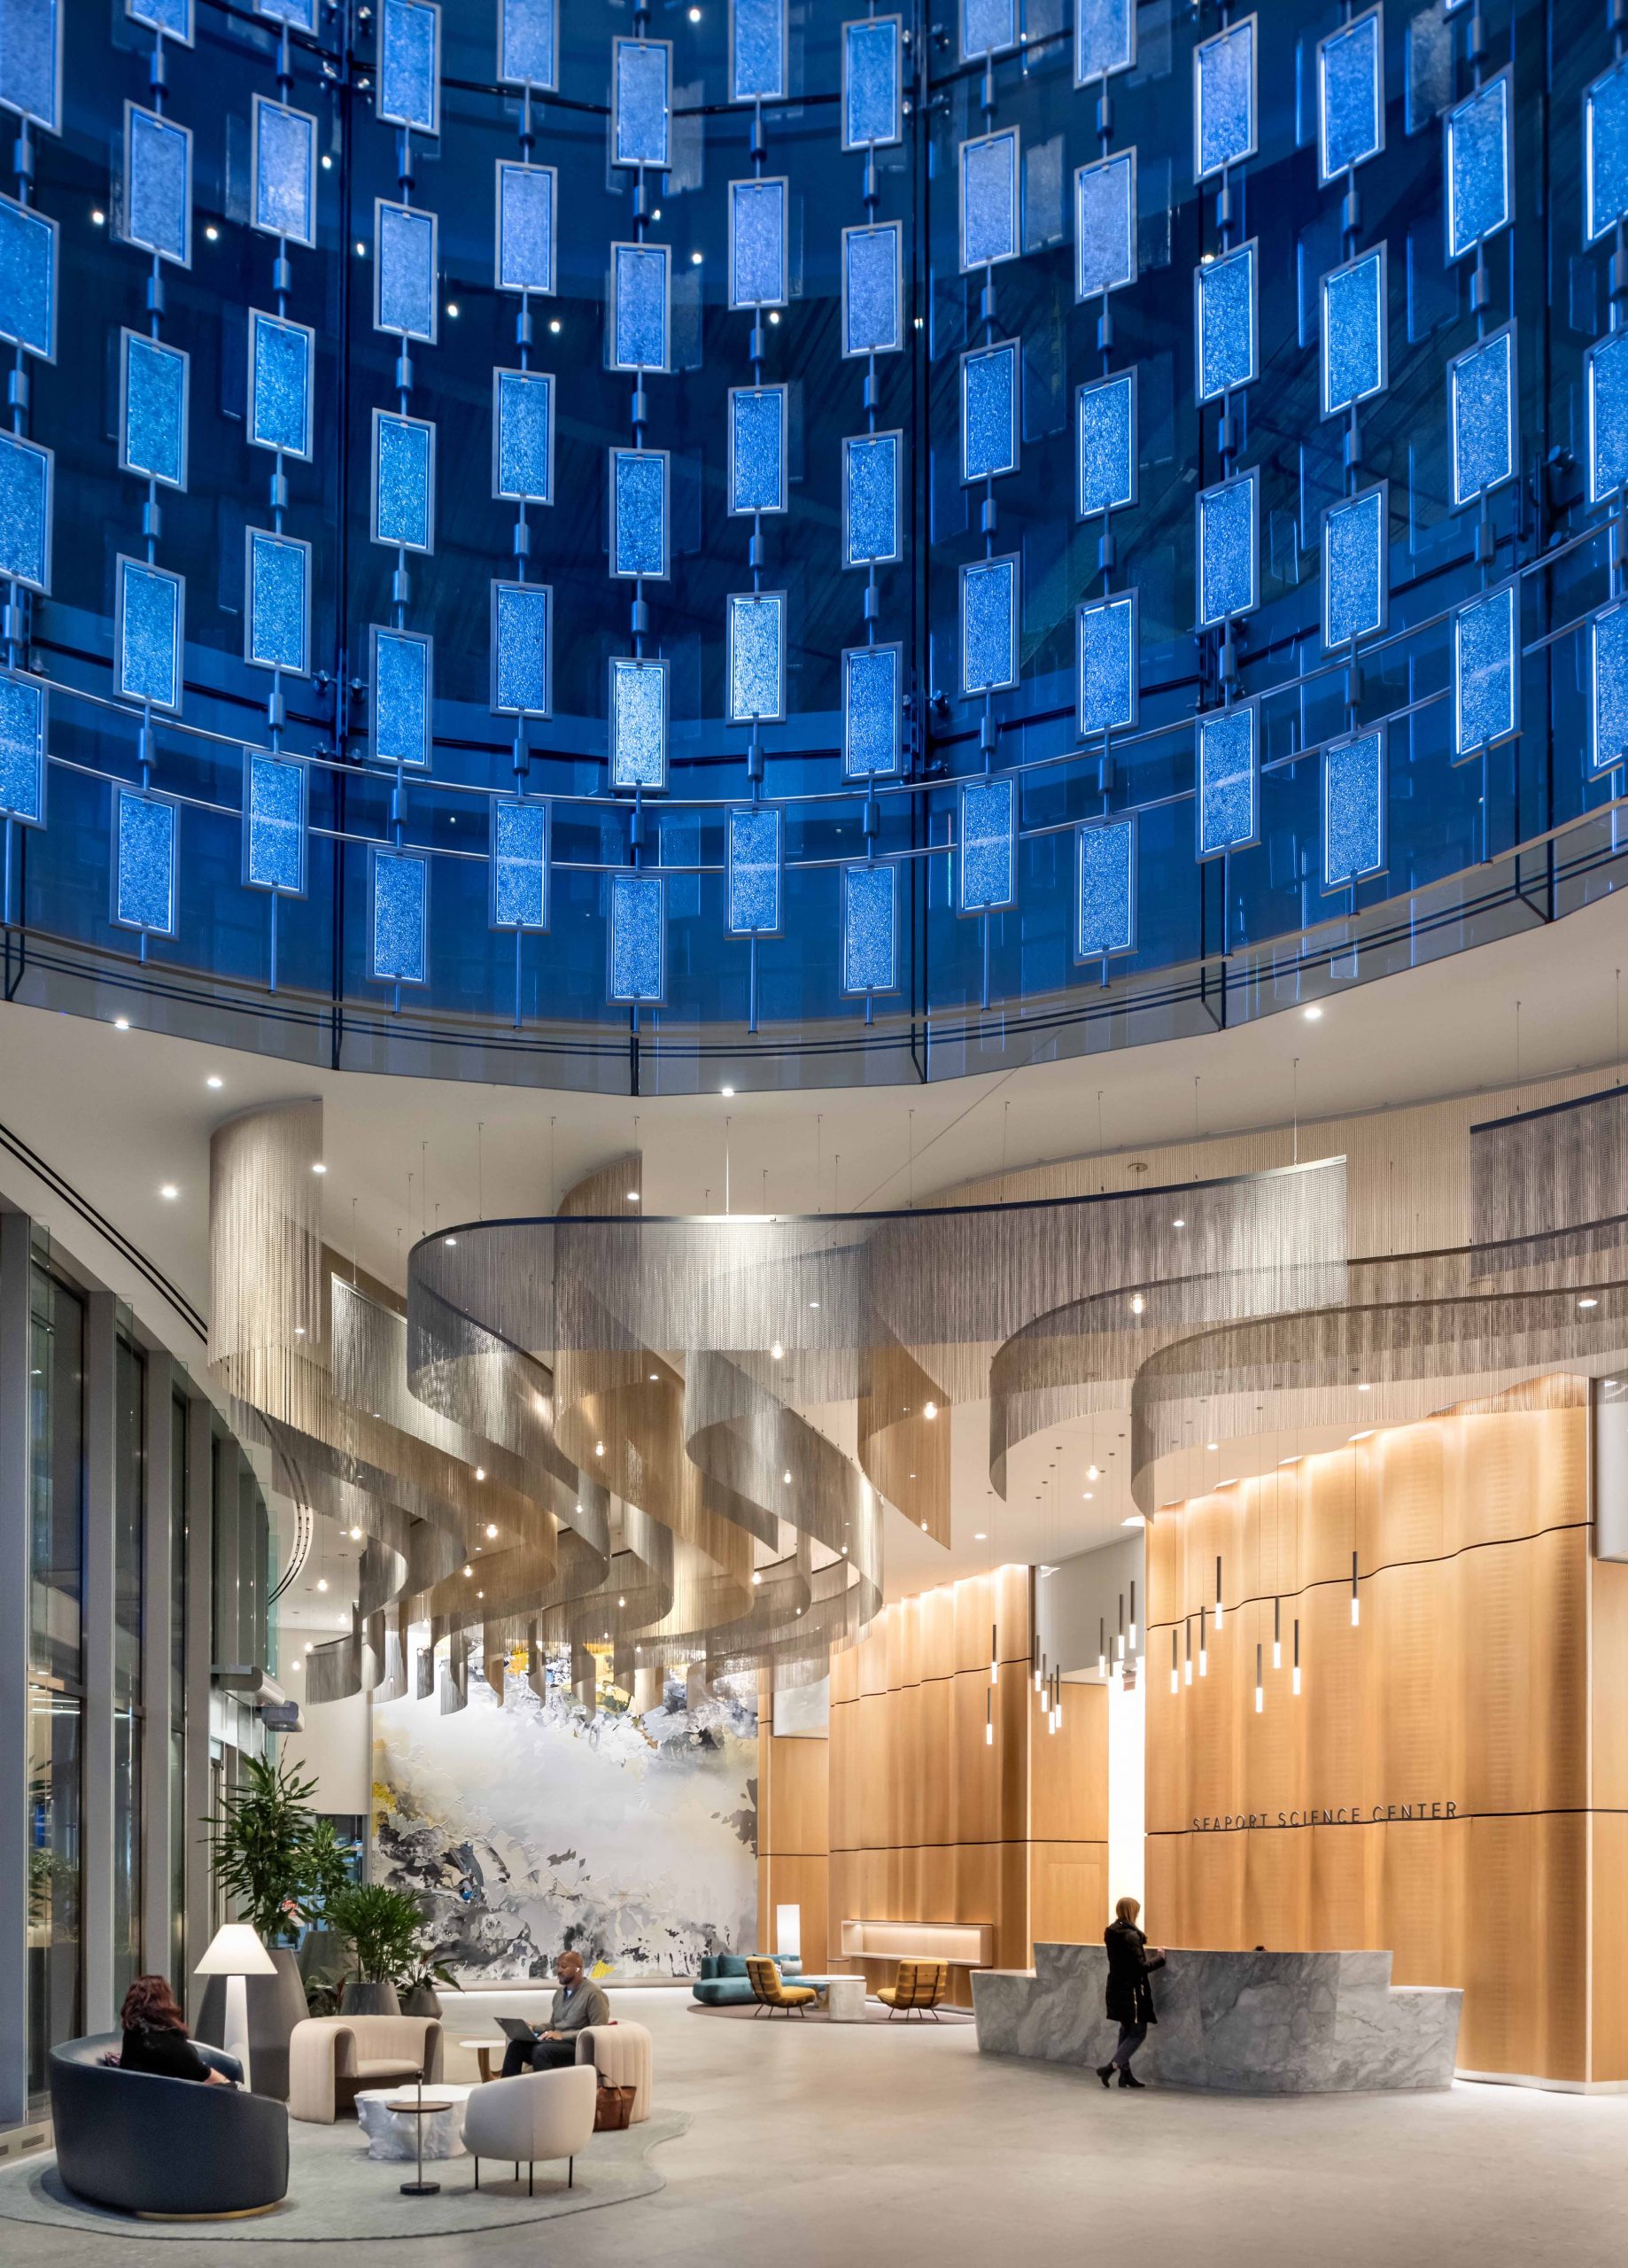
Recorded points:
485,2050
845,2000
427,2124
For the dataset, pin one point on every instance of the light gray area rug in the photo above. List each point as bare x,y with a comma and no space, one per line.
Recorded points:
336,2192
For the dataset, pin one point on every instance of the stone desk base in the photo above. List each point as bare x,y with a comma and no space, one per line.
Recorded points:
1245,2022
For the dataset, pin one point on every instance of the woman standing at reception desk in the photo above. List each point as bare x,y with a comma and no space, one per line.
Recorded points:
1130,1995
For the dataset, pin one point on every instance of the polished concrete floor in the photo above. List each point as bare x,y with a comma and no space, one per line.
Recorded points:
816,2144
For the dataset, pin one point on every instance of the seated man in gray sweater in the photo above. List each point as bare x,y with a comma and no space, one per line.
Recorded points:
576,2004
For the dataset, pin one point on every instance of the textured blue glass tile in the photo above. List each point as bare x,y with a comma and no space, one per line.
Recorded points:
158,159
153,433
1224,326
1227,539
410,86
273,810
22,748
404,283
757,449
643,108
1105,225
150,628
754,875
987,867
870,927
638,283
1354,809
1605,151
1353,568
871,466
523,435
1107,660
1608,417
1228,779
1224,100
638,939
30,61
990,199
871,687
1105,38
638,512
279,581
758,244
174,18
872,92
987,26
280,383
27,278
1608,671
1353,333
299,12
519,864
1105,444
1351,111
1478,162
403,481
526,227
872,319
24,512
284,172
638,722
1106,890
1481,415
145,832
757,50
401,691
1486,670
528,43
756,656
521,640
398,935
989,626
989,411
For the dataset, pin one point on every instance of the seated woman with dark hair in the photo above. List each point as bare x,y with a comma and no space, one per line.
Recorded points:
155,2036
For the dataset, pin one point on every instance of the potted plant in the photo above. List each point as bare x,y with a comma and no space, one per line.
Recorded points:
383,1927
261,1845
419,1997
331,1868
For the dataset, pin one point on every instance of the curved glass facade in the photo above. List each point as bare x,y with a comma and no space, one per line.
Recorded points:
623,547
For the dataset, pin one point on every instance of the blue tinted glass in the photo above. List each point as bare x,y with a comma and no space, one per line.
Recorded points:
302,12
871,499
274,851
638,722
144,869
525,228
987,25
400,698
28,75
404,482
1224,100
758,46
758,244
1105,438
1104,37
1106,899
757,449
638,939
871,710
279,602
1353,568
1226,323
871,316
870,928
638,512
989,199
1478,161
524,413
404,287
1481,413
24,512
1606,149
989,412
1608,417
987,865
754,872
871,82
409,65
1353,333
528,43
27,278
155,409
172,17
159,171
1350,79
1485,671
1107,657
639,306
519,864
988,625
280,384
1608,677
1227,581
757,656
22,748
400,924
1354,809
149,627
522,621
285,160
1227,779
1104,225
643,120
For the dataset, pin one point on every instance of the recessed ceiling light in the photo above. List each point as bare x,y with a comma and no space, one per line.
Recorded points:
491,1531
299,1331
1136,1520
654,1380
813,1303
978,1537
1314,1014
726,1091
98,216
480,1472
121,1023
599,1449
1093,1472
212,233
923,1523
1211,1445
214,1080
1086,1495
694,260
632,1197
777,1353
469,1571
756,1578
319,1167
169,1189
555,325
452,307
307,1645
929,1410
355,1535
1178,1224
1365,1389
1137,1304
322,1583
786,1477
1588,1303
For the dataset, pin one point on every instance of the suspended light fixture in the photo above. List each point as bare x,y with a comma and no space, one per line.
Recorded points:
1187,1627
1297,1655
995,1653
1133,1615
1261,1692
1120,1646
1356,1604
1176,1667
1218,1591
1102,1645
989,1720
1203,1650
1034,1663
1277,1633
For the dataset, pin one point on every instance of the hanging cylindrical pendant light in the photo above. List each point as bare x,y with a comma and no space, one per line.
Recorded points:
1204,1648
995,1653
1175,1666
1356,1604
1120,1650
1133,1614
1297,1653
1059,1701
1277,1633
1218,1609
989,1720
1187,1634
1102,1645
1037,1660
1261,1692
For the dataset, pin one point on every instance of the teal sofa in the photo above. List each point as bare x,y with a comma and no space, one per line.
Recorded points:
722,1981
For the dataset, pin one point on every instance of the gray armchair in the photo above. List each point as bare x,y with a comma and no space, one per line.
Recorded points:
143,2144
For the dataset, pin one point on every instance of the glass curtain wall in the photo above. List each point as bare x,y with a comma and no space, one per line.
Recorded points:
130,1498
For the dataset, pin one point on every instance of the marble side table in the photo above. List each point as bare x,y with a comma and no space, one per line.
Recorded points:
392,2134
845,2000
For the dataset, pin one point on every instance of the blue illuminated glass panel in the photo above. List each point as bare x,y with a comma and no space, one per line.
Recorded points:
872,686
22,748
1604,151
402,688
757,449
284,171
1224,321
1105,888
148,633
1608,417
397,918
986,27
1105,38
1353,567
758,243
404,277
157,184
638,722
1105,444
871,466
403,481
1354,809
1224,100
528,43
274,824
1228,525
756,50
755,871
522,649
638,972
522,436
987,870
1486,670
872,89
277,631
639,480
282,358
299,12
526,199
989,199
1105,225
989,411
146,833
989,625
27,278
24,512
757,656
641,111
1607,680
1106,648
31,60
1228,800
1350,101
1481,415
873,291
409,78
153,415
173,17
1477,151
640,298
519,853
1353,333
870,927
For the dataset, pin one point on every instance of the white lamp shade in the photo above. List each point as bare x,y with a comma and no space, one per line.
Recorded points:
234,1951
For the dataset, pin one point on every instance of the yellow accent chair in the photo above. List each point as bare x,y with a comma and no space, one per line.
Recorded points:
917,1990
772,1997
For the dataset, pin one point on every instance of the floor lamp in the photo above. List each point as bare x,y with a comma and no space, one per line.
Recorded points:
236,1952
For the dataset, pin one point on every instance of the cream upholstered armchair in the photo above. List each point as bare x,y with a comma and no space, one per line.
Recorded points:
537,2114
330,2058
621,2055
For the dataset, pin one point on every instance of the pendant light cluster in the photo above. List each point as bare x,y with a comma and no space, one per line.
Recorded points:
1182,1646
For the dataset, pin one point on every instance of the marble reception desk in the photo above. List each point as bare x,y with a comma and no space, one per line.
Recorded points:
1245,2022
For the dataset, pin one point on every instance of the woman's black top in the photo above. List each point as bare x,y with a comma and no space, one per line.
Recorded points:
1130,1996
165,2052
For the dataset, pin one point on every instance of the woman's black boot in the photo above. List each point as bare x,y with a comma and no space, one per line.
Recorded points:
1128,2079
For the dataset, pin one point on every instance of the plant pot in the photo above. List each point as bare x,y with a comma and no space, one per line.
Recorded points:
275,2005
421,2000
363,1999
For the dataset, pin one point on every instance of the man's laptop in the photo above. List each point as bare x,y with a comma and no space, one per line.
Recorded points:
517,2028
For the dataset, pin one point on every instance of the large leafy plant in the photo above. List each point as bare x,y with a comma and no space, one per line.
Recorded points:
384,1928
267,1851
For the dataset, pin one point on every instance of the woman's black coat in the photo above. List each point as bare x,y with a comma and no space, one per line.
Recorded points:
1130,1997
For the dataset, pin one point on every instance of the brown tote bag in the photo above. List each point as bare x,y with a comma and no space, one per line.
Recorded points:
612,2108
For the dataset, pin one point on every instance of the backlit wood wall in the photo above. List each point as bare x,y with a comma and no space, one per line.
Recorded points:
1468,1683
